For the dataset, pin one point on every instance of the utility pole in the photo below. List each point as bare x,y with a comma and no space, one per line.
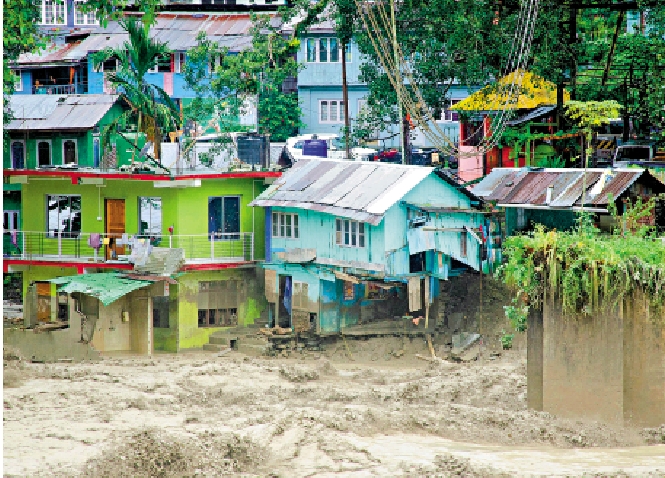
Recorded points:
398,73
345,98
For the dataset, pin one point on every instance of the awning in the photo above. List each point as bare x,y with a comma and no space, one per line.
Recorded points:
107,287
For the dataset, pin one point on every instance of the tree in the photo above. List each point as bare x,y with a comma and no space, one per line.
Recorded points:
154,109
19,35
238,77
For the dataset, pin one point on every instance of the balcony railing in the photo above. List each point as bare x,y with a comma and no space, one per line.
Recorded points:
198,248
54,90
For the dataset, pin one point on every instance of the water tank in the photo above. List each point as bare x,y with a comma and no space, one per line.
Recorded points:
254,149
315,147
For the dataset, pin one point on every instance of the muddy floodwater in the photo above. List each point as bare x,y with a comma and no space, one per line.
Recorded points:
365,408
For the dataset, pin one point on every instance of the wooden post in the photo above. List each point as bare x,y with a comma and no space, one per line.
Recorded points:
150,327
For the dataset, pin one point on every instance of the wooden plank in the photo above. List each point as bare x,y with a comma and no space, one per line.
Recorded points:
414,294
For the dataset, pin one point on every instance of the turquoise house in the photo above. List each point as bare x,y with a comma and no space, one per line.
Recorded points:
345,241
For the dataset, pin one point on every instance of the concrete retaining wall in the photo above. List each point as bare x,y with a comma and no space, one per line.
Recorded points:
609,366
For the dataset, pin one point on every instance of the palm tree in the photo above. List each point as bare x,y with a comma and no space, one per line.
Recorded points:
151,104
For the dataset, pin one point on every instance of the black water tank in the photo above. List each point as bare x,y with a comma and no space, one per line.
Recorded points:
254,149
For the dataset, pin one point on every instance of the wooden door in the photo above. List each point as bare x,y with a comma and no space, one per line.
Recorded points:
115,226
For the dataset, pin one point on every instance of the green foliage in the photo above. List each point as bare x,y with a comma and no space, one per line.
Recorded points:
154,110
238,77
507,341
557,162
19,35
590,114
517,315
584,270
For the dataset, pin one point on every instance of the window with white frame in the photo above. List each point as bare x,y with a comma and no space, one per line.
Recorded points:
150,216
450,115
349,233
43,152
69,151
82,17
326,50
285,225
10,221
331,111
63,216
179,62
54,12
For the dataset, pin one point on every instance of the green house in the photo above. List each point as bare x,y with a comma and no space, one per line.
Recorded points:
193,233
51,131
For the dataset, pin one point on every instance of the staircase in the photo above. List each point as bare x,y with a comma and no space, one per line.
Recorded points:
246,340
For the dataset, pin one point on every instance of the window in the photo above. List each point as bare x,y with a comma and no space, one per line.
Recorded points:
462,243
18,81
18,154
43,152
160,312
350,233
53,12
96,152
331,111
179,62
69,152
224,217
285,225
218,303
110,65
63,216
325,50
150,216
10,221
521,218
449,115
215,61
81,17
162,65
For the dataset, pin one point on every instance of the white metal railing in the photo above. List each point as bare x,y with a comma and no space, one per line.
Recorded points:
203,248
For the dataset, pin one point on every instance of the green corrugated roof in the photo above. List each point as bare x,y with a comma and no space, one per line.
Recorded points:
107,287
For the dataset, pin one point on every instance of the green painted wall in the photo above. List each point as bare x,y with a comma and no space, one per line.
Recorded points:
84,140
184,208
251,303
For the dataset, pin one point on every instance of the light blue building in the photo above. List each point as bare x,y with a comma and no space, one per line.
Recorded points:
320,89
339,233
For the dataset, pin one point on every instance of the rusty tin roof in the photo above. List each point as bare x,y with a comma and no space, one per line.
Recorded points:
528,187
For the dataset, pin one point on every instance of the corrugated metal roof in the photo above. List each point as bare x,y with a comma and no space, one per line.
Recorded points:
490,182
52,54
529,187
178,31
52,112
359,191
615,183
107,287
537,113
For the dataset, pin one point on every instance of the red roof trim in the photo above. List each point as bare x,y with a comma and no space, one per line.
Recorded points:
74,175
213,267
79,266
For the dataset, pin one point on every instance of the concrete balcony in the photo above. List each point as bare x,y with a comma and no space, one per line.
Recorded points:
82,249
